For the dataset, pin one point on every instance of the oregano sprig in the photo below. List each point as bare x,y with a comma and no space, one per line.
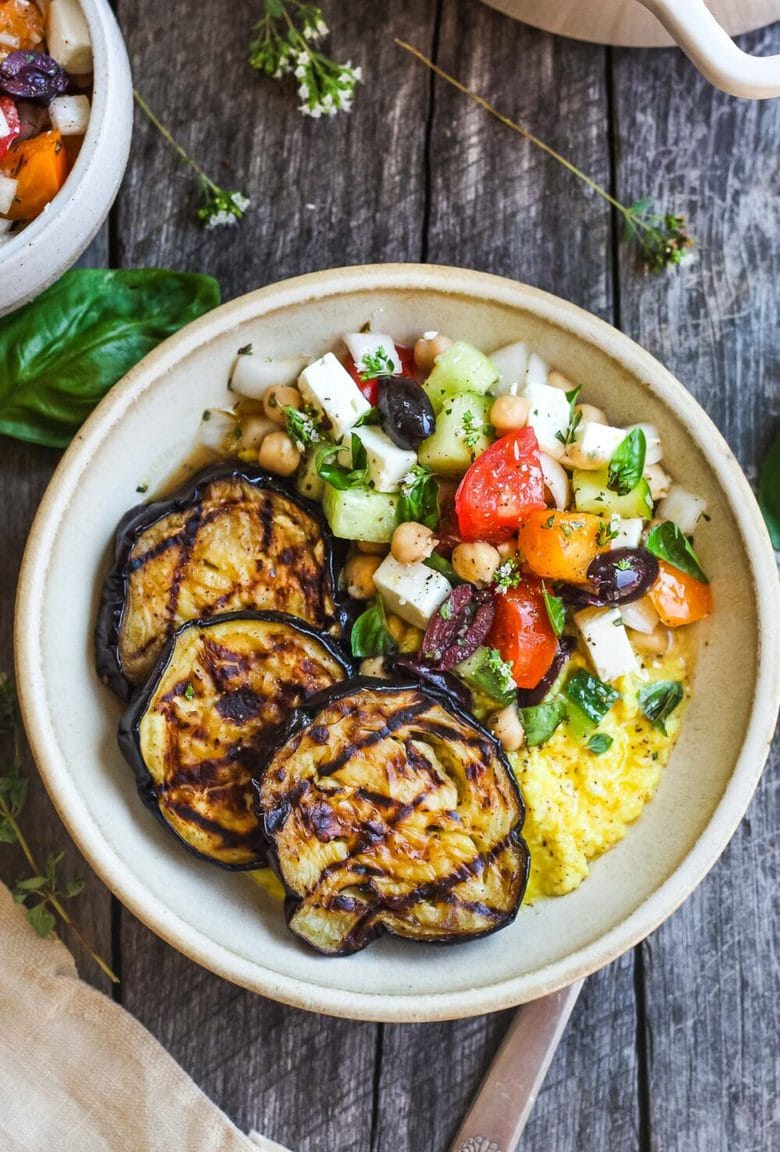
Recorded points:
41,892
661,238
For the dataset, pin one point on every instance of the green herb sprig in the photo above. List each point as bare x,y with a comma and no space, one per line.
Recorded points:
507,575
220,206
419,499
303,426
41,892
379,363
661,238
286,45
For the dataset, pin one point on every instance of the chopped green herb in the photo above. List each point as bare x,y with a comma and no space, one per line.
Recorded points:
303,426
379,363
669,543
600,743
606,534
556,611
419,500
628,463
472,431
549,522
246,350
567,437
189,692
658,701
142,488
591,695
370,635
541,721
446,610
507,575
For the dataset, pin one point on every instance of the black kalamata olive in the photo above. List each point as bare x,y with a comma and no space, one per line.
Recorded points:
615,577
529,697
32,76
405,412
459,627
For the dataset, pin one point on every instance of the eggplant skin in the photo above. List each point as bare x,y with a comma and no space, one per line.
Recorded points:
234,538
196,733
387,809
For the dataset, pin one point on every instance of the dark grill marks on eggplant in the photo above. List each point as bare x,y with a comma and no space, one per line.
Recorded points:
406,819
199,728
233,539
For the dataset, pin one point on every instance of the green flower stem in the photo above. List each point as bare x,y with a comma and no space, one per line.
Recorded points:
166,134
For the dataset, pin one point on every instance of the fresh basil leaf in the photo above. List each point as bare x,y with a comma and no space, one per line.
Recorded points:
628,463
359,457
769,490
541,721
41,919
658,701
591,695
370,417
668,542
486,673
556,611
600,743
419,500
439,564
60,354
337,475
370,635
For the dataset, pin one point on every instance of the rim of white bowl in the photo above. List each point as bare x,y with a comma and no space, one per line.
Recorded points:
308,994
112,107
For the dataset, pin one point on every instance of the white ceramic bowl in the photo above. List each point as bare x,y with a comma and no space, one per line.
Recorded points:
36,256
224,921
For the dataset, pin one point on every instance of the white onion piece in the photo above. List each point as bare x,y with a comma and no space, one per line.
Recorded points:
658,481
537,370
682,507
556,480
511,363
253,375
70,115
655,451
216,427
7,193
639,615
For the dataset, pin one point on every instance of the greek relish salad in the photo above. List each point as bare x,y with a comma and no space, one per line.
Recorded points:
45,82
500,525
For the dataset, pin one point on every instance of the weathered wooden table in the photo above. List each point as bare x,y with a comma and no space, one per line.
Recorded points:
674,1047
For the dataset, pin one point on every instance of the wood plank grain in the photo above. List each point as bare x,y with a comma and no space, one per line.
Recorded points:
25,470
498,204
711,972
348,190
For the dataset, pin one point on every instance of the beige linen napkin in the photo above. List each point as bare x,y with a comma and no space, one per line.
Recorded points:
79,1074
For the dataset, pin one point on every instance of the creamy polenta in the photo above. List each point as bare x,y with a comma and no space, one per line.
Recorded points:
580,804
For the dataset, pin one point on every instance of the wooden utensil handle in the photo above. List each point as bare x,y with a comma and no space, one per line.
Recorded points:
496,1119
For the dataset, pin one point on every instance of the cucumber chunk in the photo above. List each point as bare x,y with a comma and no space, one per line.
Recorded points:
591,494
451,450
461,368
360,514
309,482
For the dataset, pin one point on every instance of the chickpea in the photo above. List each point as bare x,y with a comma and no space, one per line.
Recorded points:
592,414
278,454
556,379
507,550
369,548
507,728
476,562
412,542
509,413
396,627
428,347
254,430
374,666
654,643
359,575
277,398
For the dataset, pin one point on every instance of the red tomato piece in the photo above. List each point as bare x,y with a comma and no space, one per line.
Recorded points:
14,124
369,387
504,483
522,633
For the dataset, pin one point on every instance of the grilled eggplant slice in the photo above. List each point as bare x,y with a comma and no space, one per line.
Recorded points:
388,810
201,724
236,538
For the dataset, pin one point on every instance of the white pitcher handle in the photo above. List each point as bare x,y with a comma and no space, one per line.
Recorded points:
713,51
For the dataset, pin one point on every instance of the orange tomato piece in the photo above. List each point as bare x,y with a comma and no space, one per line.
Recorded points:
560,545
678,598
40,166
23,22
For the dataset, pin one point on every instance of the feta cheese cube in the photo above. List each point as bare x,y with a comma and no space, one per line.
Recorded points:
67,36
653,437
372,344
640,615
594,445
511,363
628,529
70,115
413,591
548,415
683,507
387,463
607,642
328,386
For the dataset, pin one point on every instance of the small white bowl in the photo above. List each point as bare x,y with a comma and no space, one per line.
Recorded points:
149,423
37,255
